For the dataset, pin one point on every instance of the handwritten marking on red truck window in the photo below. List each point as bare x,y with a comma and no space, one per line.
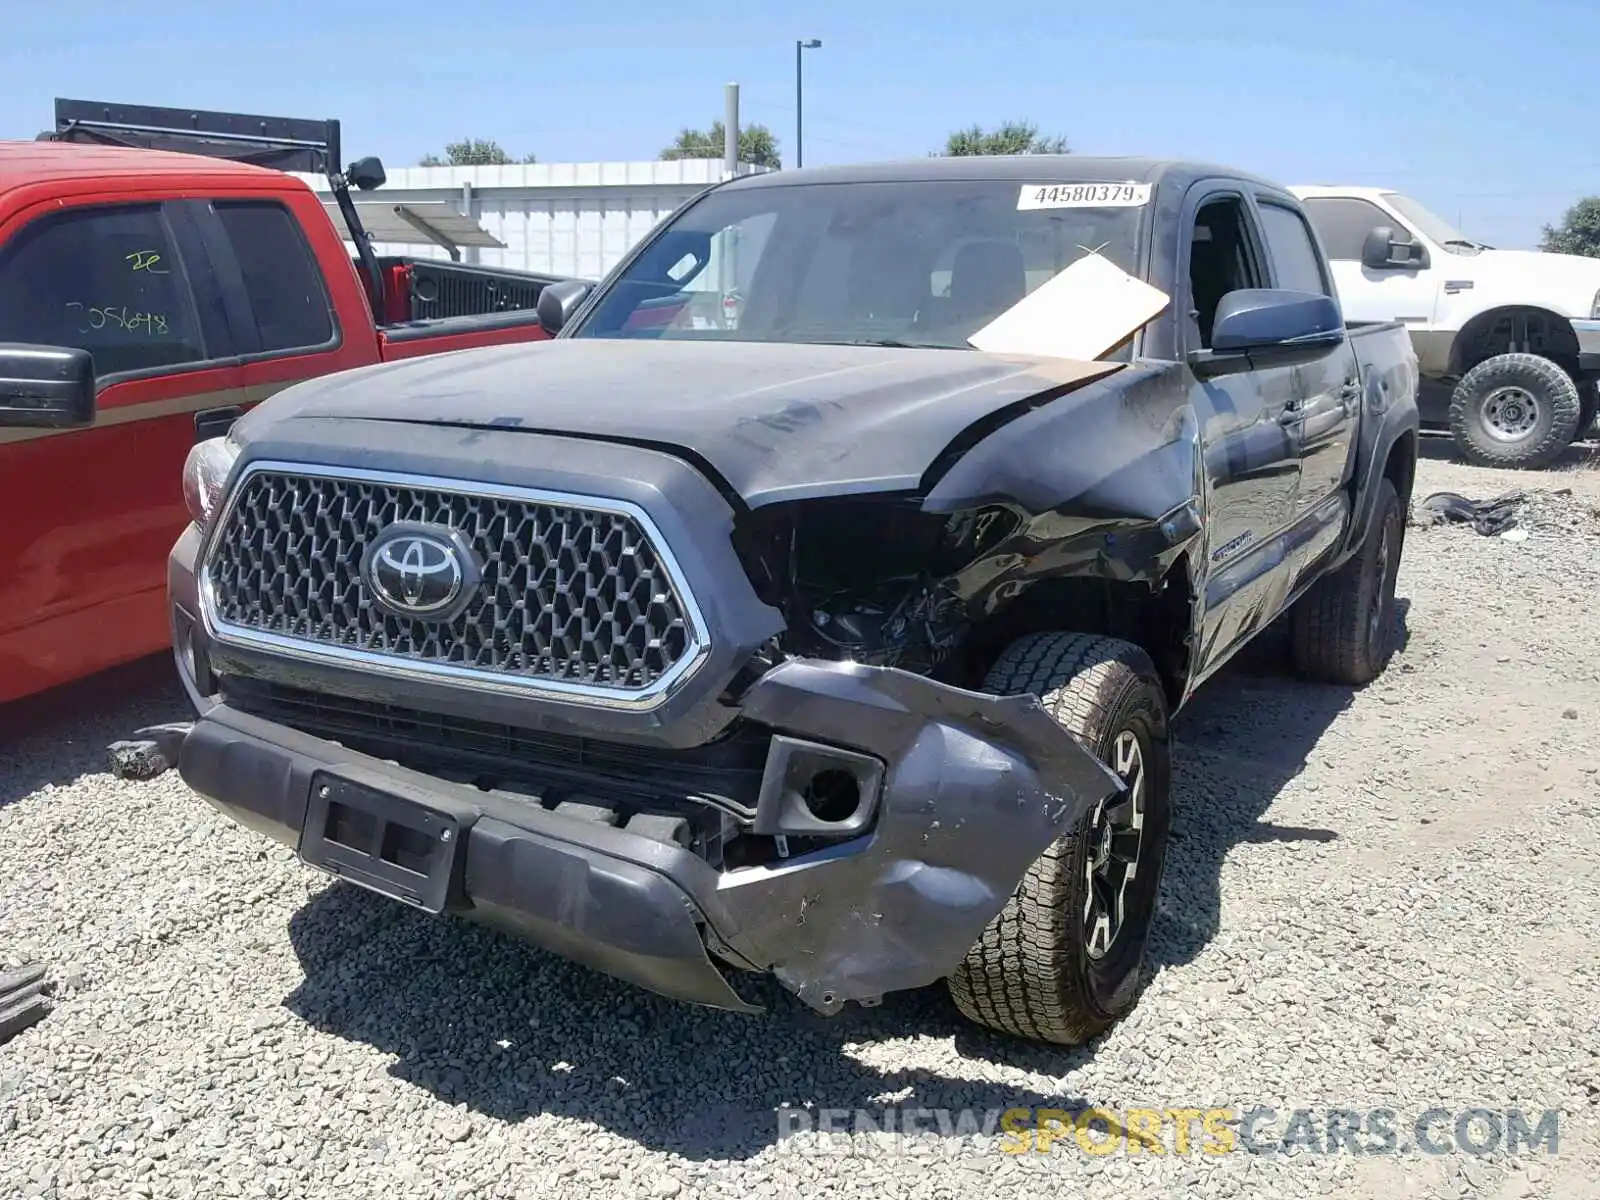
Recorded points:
146,260
118,316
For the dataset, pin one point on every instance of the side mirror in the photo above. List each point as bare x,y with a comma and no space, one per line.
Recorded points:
1387,250
1269,327
558,301
46,387
367,174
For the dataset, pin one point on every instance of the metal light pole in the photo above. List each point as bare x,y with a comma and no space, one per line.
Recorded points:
800,47
730,130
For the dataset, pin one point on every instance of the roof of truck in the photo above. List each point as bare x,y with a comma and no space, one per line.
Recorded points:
60,162
1032,168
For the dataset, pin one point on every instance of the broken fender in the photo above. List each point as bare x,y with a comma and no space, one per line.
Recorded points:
976,788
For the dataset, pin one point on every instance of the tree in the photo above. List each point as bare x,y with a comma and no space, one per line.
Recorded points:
473,152
1014,137
757,145
1579,231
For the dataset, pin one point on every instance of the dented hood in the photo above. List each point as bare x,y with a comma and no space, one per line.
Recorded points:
774,421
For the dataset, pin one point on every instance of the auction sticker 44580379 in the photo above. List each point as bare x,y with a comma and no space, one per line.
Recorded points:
1083,195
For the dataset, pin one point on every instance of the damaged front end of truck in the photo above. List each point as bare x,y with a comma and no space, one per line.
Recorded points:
674,721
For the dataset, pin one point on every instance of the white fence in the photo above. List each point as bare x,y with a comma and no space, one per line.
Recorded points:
574,219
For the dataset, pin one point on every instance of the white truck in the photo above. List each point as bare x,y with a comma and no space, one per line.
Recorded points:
1508,341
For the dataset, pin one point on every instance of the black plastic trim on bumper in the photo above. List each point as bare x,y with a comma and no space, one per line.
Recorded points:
605,913
624,918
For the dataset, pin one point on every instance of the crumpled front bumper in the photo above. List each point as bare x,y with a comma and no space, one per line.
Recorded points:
966,791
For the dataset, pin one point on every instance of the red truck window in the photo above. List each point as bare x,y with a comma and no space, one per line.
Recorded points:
110,280
281,277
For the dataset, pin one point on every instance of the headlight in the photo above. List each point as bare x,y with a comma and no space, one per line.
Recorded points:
205,473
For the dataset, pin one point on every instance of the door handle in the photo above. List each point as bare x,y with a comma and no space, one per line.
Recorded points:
1290,415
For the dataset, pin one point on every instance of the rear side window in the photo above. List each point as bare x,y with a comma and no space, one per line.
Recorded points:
281,276
108,280
1295,261
1343,224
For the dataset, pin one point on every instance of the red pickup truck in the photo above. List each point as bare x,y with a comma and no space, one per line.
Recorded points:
160,273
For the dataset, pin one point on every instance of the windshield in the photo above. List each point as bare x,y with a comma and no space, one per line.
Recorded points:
1432,226
919,264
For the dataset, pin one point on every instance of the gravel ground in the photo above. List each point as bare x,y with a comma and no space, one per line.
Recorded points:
1379,900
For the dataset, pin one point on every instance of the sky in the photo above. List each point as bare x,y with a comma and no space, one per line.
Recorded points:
1484,111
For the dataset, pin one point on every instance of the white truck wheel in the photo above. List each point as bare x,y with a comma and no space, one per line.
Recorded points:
1515,410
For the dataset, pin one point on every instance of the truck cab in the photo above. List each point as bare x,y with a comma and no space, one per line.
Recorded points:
1508,341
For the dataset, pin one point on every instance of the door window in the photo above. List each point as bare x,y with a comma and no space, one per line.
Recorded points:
1222,259
1295,261
108,280
281,275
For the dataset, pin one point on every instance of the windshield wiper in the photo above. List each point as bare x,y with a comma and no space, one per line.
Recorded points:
888,343
1467,242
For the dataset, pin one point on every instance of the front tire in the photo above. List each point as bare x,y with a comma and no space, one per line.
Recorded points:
1061,963
1515,410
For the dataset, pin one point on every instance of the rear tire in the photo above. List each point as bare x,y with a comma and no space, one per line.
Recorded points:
1342,630
1515,410
1062,961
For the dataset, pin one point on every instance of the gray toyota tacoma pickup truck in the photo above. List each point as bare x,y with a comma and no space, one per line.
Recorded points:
803,638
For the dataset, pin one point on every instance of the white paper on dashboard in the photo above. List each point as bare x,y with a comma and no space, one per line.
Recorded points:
1085,311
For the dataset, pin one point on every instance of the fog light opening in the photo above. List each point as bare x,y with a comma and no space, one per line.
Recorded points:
832,796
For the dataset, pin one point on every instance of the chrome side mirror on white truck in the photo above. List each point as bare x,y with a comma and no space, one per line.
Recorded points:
1389,250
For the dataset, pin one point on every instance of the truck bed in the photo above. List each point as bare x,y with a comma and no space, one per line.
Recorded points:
1384,342
421,289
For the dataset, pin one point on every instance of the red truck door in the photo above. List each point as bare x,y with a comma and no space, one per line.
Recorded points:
89,513
186,305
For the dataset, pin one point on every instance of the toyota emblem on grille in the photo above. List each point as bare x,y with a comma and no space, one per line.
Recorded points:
424,572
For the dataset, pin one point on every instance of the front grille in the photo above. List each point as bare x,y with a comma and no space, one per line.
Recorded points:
571,594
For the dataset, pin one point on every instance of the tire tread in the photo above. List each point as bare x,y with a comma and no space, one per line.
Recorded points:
1014,979
1328,627
1561,395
